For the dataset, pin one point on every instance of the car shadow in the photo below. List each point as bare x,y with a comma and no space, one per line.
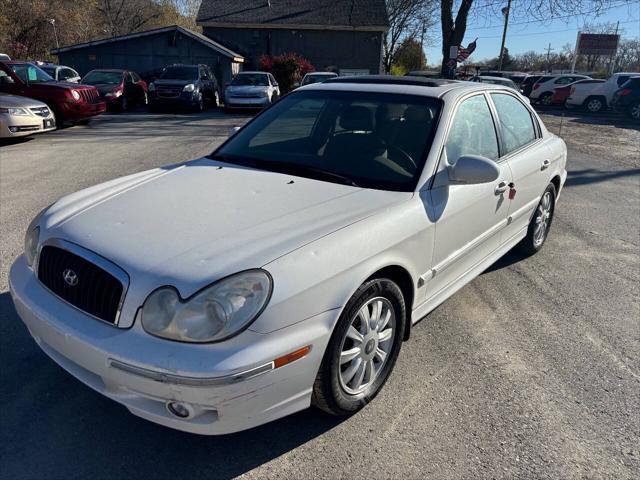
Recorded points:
618,120
58,428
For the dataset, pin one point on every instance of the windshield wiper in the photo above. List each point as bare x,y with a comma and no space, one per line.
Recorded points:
285,167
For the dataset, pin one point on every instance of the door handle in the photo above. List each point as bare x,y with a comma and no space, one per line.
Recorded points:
501,188
545,164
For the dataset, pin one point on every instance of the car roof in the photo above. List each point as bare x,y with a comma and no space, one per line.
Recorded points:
253,72
499,79
407,85
117,70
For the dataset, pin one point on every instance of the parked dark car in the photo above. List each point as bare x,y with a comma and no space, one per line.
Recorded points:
627,98
526,86
68,101
121,89
185,86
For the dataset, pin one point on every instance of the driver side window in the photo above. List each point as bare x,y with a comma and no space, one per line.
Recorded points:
472,131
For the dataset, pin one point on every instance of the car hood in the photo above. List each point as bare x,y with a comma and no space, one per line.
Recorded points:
187,225
7,100
106,88
168,82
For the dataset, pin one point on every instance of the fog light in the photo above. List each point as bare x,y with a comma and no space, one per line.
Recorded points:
180,410
13,129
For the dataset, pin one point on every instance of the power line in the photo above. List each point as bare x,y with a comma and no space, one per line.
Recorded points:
550,31
557,17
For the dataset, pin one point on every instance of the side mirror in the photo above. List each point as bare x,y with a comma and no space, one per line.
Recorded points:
232,131
473,169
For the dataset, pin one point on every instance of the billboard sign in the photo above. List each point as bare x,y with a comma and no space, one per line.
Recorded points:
597,44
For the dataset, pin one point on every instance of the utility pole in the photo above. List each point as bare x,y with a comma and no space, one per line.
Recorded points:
548,59
52,21
613,57
505,12
424,27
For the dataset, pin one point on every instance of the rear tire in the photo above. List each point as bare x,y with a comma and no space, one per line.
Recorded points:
594,104
363,348
540,223
634,111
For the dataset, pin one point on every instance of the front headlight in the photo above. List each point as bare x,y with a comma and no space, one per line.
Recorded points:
116,94
189,88
32,238
75,94
15,111
152,87
265,92
218,312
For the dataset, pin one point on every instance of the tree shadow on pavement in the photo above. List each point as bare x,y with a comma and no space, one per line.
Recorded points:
55,427
592,175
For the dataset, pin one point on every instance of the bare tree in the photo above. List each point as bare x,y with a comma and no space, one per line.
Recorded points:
454,27
407,18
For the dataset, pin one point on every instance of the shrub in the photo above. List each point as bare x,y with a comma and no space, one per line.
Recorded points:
288,69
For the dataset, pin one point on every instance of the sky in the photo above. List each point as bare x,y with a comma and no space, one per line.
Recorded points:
523,36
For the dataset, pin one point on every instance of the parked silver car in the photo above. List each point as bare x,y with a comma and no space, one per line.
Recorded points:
21,116
300,252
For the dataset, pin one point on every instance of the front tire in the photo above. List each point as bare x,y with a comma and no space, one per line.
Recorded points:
540,223
545,99
363,348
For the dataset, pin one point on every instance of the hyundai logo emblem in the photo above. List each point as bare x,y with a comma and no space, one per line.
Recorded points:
70,277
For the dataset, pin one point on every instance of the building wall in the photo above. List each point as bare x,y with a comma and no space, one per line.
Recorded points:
354,50
148,53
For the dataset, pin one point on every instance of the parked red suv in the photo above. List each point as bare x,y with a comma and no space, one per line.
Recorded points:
69,101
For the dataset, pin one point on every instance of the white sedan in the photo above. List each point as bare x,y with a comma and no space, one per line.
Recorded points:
287,268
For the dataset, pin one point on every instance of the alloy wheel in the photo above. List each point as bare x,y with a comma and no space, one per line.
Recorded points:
635,111
367,345
594,105
546,99
542,219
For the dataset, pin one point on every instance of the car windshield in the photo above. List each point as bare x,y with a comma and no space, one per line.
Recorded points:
98,77
309,79
29,73
255,79
179,73
370,140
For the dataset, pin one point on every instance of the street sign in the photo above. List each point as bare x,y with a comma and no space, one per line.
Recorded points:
597,44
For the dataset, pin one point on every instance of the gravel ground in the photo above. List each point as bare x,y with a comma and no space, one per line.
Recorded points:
531,371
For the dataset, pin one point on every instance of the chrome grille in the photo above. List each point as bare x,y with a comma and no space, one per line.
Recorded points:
41,111
81,283
90,95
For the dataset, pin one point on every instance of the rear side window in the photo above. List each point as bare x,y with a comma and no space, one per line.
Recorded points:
472,131
621,79
544,79
515,122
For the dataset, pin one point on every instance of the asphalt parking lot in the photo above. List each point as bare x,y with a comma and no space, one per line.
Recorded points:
531,371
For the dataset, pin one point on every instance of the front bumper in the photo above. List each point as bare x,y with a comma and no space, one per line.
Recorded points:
221,382
184,100
73,111
242,102
22,125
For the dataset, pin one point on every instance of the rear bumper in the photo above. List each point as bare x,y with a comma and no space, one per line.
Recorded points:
226,384
80,111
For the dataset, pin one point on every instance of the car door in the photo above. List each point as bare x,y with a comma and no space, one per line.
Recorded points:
528,157
468,218
206,83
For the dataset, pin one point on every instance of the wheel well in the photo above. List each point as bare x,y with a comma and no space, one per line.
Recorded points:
556,183
403,278
601,97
